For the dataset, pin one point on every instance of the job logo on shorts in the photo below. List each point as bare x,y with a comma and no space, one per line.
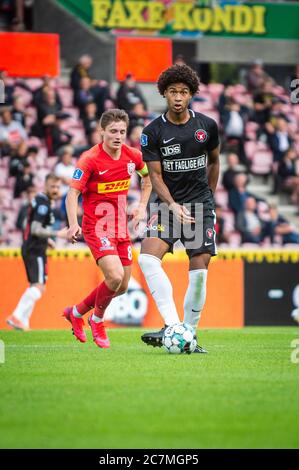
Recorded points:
131,168
78,174
209,233
201,135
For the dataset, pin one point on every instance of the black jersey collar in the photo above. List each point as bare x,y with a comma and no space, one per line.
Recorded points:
192,114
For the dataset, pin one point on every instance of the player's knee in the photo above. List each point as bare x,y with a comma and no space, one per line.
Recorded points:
114,280
148,263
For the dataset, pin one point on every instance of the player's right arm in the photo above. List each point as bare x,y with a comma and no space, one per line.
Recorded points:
79,180
151,155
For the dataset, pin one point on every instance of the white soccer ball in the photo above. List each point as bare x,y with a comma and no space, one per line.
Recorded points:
179,338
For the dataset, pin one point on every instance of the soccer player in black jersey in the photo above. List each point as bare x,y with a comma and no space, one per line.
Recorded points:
181,149
36,238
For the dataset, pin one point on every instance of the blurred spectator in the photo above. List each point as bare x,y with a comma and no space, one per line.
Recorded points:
221,235
278,225
55,135
80,71
95,138
135,136
179,60
277,111
288,172
129,94
279,138
9,90
24,179
65,168
17,160
101,95
138,116
229,174
48,108
40,94
22,214
234,121
83,95
256,76
248,222
12,133
238,194
19,110
90,120
224,99
262,104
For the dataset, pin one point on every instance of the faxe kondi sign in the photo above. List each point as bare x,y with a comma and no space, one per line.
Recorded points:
187,18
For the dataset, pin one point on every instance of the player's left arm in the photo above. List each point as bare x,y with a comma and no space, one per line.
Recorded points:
213,167
146,188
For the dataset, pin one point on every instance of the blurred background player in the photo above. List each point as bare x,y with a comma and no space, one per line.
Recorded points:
103,177
181,148
36,238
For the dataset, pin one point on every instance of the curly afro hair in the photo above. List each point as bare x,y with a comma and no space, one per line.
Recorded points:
178,74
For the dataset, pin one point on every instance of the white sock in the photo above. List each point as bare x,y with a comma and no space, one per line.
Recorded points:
96,319
160,287
195,296
26,304
76,313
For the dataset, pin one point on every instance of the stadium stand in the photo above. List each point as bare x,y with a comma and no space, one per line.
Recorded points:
42,116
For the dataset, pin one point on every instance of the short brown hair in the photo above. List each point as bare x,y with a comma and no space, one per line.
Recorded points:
113,115
52,176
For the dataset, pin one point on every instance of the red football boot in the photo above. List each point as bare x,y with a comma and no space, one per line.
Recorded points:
77,324
99,333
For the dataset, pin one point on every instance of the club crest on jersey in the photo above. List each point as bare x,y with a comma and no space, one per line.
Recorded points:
209,233
105,241
131,168
201,135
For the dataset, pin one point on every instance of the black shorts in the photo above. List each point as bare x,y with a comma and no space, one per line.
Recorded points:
197,238
36,267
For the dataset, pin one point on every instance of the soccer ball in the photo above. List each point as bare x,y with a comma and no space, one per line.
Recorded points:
179,338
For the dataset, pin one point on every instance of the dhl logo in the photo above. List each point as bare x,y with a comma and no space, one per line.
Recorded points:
113,186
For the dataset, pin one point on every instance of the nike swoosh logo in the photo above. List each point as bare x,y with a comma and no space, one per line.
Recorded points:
207,244
102,172
169,140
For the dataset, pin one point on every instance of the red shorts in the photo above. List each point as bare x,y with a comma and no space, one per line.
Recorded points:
103,246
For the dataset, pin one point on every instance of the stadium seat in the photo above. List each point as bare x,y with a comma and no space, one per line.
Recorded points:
66,95
221,198
215,90
34,83
234,239
262,161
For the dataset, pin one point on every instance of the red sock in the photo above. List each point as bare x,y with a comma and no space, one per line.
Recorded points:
103,299
88,303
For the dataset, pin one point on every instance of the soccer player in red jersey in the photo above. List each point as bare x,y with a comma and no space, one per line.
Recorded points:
103,176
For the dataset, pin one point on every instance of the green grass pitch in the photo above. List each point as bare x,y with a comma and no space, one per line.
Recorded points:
58,393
